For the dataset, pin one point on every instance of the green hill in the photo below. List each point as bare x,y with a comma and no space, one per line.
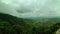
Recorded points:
13,25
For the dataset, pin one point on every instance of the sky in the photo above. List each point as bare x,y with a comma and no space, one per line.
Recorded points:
31,8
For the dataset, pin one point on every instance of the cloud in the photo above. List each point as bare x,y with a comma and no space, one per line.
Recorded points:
7,9
34,8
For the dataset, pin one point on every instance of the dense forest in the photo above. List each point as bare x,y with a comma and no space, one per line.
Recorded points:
13,25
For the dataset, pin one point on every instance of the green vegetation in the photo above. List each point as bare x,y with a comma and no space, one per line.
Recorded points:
13,25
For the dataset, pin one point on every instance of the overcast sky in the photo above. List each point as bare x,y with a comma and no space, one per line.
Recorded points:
31,8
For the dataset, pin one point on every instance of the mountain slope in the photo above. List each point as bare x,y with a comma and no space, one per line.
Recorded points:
13,25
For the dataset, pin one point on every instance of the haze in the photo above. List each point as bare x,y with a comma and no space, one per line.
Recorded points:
31,8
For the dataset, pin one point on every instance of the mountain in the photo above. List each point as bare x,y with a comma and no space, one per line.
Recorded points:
15,25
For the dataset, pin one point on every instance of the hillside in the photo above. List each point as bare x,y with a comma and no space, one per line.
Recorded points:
13,25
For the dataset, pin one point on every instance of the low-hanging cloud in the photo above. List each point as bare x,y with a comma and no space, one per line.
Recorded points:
31,8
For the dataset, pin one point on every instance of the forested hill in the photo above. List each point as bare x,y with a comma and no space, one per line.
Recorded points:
13,25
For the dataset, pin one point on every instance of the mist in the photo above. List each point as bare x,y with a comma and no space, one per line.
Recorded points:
31,8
